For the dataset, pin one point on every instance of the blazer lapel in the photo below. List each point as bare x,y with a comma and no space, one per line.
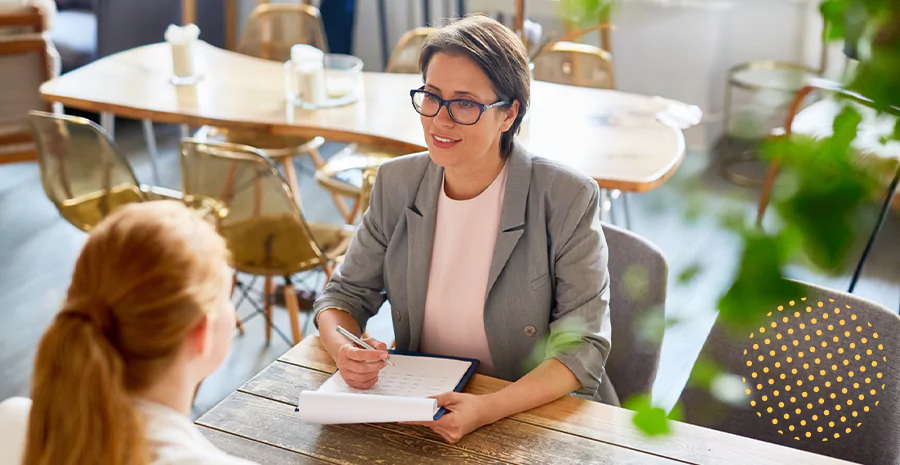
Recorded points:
512,217
420,218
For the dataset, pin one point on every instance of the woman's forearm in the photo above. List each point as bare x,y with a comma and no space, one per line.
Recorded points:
328,320
546,383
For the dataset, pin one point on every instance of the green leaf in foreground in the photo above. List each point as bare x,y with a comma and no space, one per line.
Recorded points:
650,420
760,284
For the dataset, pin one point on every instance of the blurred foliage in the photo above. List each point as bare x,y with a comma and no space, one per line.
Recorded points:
825,195
562,338
651,420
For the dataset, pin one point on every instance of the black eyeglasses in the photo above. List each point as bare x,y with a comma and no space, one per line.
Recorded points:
465,112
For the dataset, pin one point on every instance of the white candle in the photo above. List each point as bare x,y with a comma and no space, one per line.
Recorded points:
182,41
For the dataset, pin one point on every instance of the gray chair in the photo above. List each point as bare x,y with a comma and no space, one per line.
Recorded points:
638,274
820,374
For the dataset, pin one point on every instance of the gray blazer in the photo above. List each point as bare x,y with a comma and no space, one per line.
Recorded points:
548,273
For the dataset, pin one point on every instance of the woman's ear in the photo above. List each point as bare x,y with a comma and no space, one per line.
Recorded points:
200,338
510,115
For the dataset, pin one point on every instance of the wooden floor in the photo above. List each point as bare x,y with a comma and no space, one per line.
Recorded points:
38,250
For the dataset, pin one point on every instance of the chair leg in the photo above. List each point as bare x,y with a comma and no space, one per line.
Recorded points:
293,308
150,137
328,268
269,286
240,326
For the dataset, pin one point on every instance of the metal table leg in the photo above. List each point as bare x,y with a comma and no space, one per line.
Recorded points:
882,215
108,123
150,138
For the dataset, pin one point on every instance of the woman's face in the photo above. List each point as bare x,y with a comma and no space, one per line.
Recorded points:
451,144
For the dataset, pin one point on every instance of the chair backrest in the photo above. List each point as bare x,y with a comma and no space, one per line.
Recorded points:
273,29
13,428
254,208
405,57
638,273
821,373
84,173
575,64
26,62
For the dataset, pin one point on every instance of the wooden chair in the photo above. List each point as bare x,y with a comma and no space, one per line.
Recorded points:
27,60
405,57
262,223
83,171
870,146
819,374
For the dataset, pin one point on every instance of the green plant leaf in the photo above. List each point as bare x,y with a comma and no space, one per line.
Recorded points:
703,373
651,420
688,274
834,14
760,283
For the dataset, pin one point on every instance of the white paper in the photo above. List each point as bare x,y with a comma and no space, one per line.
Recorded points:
401,393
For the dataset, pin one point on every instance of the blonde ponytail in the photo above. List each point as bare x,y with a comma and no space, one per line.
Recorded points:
146,276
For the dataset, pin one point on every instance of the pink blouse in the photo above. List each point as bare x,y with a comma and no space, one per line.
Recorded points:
464,236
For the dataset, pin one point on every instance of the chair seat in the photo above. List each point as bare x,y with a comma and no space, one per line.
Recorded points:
269,245
85,211
275,146
343,172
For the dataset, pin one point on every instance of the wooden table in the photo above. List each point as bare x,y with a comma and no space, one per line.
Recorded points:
258,423
611,136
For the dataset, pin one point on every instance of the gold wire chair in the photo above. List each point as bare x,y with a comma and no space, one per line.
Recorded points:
83,171
405,57
257,214
575,64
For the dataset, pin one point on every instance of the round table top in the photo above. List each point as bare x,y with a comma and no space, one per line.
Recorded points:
624,141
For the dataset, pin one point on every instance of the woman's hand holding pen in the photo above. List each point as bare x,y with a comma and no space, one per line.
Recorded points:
360,367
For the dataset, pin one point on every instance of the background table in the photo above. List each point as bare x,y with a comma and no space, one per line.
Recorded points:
610,136
258,422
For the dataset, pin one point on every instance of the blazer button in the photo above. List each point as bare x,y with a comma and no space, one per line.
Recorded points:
530,331
397,316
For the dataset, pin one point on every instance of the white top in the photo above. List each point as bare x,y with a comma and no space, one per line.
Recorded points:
171,437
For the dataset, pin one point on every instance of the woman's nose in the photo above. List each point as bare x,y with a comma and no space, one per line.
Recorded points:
443,117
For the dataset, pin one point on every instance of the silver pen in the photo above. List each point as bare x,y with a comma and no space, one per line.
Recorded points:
360,342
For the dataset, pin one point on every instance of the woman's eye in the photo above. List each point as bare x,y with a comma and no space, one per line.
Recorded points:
467,104
431,98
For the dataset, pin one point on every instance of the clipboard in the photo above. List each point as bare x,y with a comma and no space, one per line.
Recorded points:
334,402
462,382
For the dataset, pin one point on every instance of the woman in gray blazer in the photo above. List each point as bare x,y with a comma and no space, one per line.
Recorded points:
481,249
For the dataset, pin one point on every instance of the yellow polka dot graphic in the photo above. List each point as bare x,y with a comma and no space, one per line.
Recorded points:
838,393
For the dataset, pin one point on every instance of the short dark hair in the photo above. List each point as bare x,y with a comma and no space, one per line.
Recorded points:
498,51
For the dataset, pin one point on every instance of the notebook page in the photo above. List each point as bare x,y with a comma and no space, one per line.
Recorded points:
410,376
